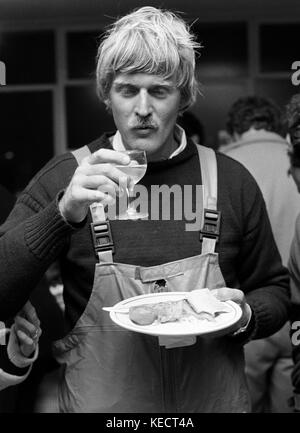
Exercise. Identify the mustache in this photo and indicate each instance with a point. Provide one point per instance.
(143, 123)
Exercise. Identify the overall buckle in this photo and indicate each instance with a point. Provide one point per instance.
(102, 237)
(211, 225)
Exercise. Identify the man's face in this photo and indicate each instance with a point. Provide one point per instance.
(145, 108)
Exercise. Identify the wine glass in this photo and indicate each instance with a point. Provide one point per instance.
(135, 170)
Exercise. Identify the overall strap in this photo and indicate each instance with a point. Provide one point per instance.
(100, 227)
(210, 231)
(81, 153)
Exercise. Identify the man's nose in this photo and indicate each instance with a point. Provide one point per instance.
(143, 104)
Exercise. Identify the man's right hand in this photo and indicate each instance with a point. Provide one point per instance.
(96, 179)
(24, 337)
(27, 329)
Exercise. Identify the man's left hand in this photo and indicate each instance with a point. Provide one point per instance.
(235, 295)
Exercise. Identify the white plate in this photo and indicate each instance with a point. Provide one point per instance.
(223, 323)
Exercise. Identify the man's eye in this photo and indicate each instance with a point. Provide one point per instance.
(159, 92)
(128, 91)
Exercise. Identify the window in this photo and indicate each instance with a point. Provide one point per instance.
(26, 136)
(56, 96)
(212, 107)
(225, 49)
(87, 117)
(278, 46)
(81, 53)
(28, 56)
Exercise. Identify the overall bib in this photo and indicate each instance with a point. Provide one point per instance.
(107, 369)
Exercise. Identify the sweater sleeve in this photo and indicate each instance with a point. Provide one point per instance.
(260, 271)
(294, 268)
(31, 238)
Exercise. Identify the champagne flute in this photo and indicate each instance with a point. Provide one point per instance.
(136, 169)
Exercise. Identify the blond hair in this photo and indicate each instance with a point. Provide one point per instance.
(152, 41)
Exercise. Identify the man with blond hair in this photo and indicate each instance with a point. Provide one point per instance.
(146, 77)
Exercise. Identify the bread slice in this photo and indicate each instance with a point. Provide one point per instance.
(202, 300)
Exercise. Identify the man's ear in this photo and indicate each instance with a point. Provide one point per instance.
(183, 106)
(107, 103)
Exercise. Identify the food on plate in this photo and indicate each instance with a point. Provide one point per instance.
(143, 314)
(203, 300)
(201, 304)
(161, 311)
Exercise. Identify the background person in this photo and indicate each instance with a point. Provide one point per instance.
(255, 125)
(21, 350)
(7, 397)
(24, 396)
(146, 76)
(293, 125)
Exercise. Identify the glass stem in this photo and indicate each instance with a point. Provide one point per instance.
(131, 208)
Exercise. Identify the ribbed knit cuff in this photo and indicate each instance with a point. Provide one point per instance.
(47, 232)
(246, 335)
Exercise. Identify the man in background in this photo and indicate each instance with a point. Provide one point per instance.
(22, 397)
(19, 352)
(292, 118)
(7, 397)
(255, 126)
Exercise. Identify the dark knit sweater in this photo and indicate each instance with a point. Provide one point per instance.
(35, 235)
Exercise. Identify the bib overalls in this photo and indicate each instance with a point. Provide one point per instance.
(109, 369)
